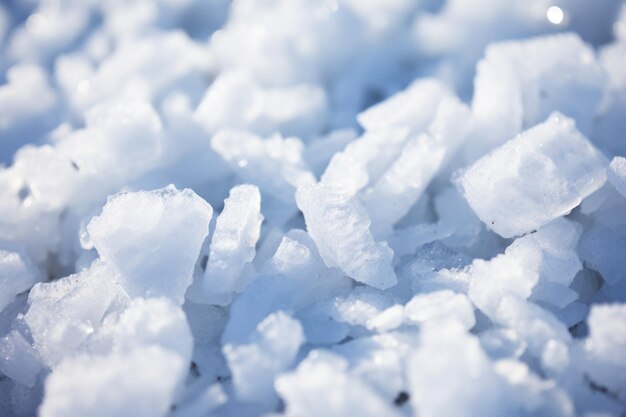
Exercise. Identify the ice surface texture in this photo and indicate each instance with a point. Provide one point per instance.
(235, 208)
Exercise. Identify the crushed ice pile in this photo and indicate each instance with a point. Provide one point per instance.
(312, 208)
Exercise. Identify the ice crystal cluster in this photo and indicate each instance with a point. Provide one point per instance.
(312, 208)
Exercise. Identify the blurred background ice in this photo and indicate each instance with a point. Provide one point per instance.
(312, 208)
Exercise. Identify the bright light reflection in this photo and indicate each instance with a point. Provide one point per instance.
(555, 15)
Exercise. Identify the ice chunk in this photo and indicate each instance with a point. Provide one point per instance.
(293, 279)
(64, 313)
(440, 305)
(153, 321)
(534, 178)
(152, 239)
(449, 357)
(360, 306)
(606, 363)
(364, 160)
(514, 272)
(617, 174)
(380, 361)
(274, 164)
(547, 257)
(208, 400)
(17, 273)
(340, 228)
(531, 73)
(233, 244)
(609, 121)
(18, 360)
(412, 108)
(142, 382)
(23, 119)
(423, 156)
(536, 326)
(129, 70)
(388, 319)
(324, 375)
(271, 350)
(236, 101)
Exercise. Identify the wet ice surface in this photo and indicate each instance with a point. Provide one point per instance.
(312, 208)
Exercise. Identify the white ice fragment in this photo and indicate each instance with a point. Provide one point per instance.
(520, 83)
(605, 346)
(534, 178)
(208, 400)
(237, 231)
(325, 375)
(152, 239)
(129, 70)
(23, 119)
(17, 273)
(339, 225)
(18, 359)
(423, 156)
(236, 101)
(142, 382)
(364, 160)
(389, 319)
(440, 305)
(617, 174)
(271, 350)
(152, 321)
(547, 257)
(293, 279)
(412, 108)
(449, 374)
(64, 313)
(274, 164)
(534, 325)
(514, 272)
(362, 305)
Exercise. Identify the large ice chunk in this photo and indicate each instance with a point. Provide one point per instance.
(519, 83)
(64, 313)
(142, 382)
(152, 239)
(17, 273)
(534, 178)
(340, 228)
(449, 357)
(233, 244)
(325, 375)
(236, 101)
(152, 321)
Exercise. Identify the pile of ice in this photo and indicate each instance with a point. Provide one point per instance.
(312, 208)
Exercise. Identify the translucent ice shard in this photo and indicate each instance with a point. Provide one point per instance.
(534, 178)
